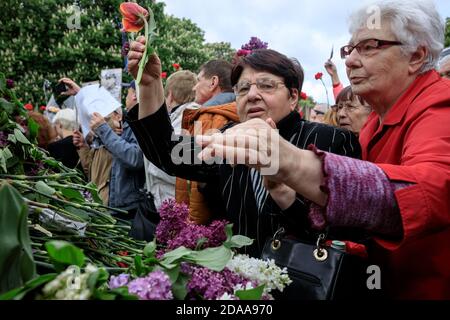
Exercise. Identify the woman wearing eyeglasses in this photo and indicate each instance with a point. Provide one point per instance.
(352, 110)
(267, 86)
(400, 193)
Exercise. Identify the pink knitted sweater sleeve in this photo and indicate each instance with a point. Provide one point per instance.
(360, 195)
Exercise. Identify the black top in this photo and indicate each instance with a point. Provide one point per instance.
(246, 203)
(63, 150)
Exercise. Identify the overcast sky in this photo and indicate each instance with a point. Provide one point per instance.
(304, 29)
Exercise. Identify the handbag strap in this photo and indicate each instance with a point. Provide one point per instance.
(320, 253)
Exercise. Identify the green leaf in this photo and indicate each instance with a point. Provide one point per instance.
(20, 137)
(213, 258)
(12, 138)
(16, 258)
(138, 266)
(240, 241)
(200, 243)
(179, 287)
(7, 153)
(31, 285)
(229, 231)
(7, 106)
(251, 294)
(150, 249)
(83, 215)
(41, 186)
(3, 161)
(173, 273)
(64, 254)
(33, 129)
(72, 195)
(172, 258)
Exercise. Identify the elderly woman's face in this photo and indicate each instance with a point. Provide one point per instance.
(353, 115)
(263, 95)
(378, 72)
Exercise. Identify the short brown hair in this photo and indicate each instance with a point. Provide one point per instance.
(221, 69)
(181, 84)
(273, 62)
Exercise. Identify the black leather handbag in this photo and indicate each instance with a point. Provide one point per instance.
(146, 219)
(318, 272)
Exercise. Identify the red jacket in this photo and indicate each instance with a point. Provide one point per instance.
(413, 145)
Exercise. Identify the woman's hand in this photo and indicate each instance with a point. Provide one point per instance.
(152, 70)
(283, 195)
(72, 87)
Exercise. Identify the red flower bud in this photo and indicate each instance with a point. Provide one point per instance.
(164, 75)
(42, 108)
(28, 107)
(133, 16)
(176, 66)
(303, 96)
(319, 75)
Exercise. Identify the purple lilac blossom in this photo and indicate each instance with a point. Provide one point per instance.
(211, 285)
(254, 43)
(119, 281)
(156, 286)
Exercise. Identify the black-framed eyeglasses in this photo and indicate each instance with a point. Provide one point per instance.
(367, 47)
(264, 85)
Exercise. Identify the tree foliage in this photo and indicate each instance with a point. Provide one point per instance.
(40, 39)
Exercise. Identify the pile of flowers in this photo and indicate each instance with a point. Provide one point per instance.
(235, 277)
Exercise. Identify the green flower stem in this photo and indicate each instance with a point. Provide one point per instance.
(144, 59)
(326, 91)
(39, 206)
(31, 178)
(45, 265)
(75, 205)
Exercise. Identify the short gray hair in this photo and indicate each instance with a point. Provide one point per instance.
(415, 23)
(444, 57)
(67, 119)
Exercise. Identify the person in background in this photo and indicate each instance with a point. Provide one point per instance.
(400, 192)
(318, 113)
(336, 81)
(63, 149)
(352, 110)
(214, 93)
(46, 133)
(179, 96)
(444, 63)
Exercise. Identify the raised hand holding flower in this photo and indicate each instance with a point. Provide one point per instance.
(134, 19)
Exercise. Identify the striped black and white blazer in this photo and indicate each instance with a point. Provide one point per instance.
(237, 192)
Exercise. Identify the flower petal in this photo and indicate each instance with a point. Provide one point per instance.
(132, 11)
(131, 26)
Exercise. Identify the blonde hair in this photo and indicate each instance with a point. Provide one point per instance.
(181, 84)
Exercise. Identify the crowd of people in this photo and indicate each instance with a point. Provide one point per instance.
(377, 161)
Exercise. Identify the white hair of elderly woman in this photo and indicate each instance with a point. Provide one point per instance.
(67, 119)
(414, 23)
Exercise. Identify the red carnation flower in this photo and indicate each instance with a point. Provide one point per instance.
(28, 107)
(164, 75)
(42, 108)
(319, 75)
(303, 96)
(176, 66)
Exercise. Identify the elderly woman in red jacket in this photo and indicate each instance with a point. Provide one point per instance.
(401, 191)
